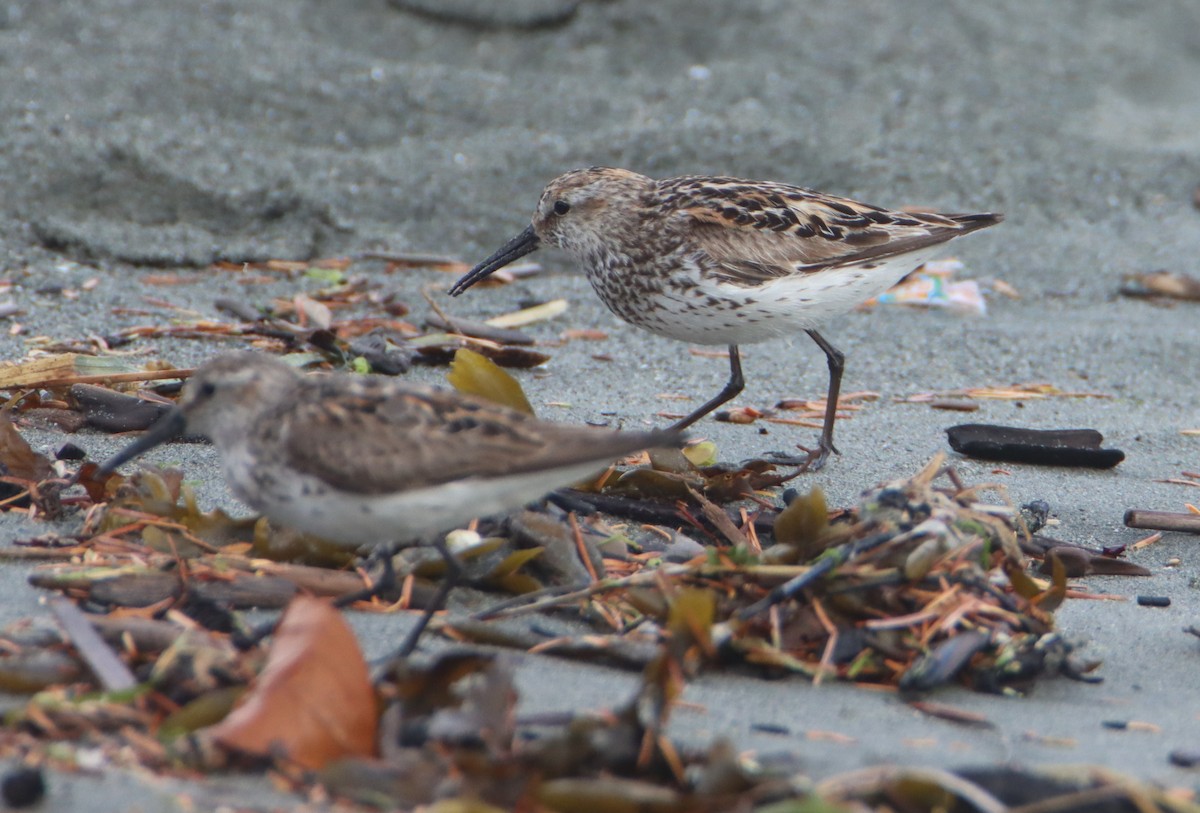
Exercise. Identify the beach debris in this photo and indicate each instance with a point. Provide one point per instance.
(1163, 520)
(932, 286)
(1080, 561)
(64, 368)
(22, 787)
(1162, 285)
(313, 702)
(477, 330)
(111, 411)
(1154, 601)
(1015, 392)
(109, 670)
(1187, 478)
(1047, 447)
(475, 374)
(530, 315)
(920, 584)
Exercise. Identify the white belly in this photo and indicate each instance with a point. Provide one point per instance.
(721, 313)
(365, 520)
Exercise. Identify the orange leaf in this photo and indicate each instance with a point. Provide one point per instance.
(313, 700)
(18, 459)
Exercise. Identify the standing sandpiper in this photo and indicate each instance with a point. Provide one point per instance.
(367, 462)
(727, 261)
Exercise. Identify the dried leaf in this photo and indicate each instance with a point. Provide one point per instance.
(804, 524)
(207, 709)
(474, 374)
(701, 454)
(691, 617)
(1054, 597)
(18, 458)
(312, 313)
(313, 700)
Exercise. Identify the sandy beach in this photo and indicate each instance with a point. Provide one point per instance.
(143, 139)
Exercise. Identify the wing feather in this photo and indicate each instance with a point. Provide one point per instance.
(421, 436)
(757, 232)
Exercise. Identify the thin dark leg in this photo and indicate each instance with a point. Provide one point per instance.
(385, 583)
(837, 363)
(732, 387)
(451, 578)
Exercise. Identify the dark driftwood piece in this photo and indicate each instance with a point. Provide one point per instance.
(1048, 447)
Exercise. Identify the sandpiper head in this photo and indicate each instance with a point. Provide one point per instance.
(577, 210)
(219, 401)
(226, 393)
(578, 207)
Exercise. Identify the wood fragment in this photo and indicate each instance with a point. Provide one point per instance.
(1162, 521)
(1053, 447)
(1162, 284)
(110, 670)
(120, 378)
(41, 371)
(527, 316)
(111, 411)
(955, 405)
(478, 330)
(404, 259)
(954, 714)
(1147, 542)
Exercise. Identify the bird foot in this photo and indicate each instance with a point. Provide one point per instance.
(817, 457)
(811, 460)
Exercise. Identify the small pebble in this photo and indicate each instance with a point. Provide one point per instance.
(1185, 757)
(770, 728)
(1154, 601)
(69, 451)
(23, 787)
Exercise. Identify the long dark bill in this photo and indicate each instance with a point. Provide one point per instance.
(168, 427)
(524, 243)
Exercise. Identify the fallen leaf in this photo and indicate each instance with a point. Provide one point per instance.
(313, 700)
(475, 374)
(18, 458)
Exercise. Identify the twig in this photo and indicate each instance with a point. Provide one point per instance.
(504, 611)
(828, 561)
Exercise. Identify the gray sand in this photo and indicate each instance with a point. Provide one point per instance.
(173, 134)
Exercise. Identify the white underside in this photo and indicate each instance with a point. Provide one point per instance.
(781, 307)
(366, 520)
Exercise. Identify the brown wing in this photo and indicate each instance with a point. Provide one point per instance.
(760, 231)
(420, 436)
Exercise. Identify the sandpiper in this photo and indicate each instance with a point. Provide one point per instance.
(369, 462)
(715, 260)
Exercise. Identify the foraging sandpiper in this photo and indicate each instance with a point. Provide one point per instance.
(368, 462)
(714, 260)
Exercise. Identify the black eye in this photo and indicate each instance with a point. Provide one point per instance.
(206, 389)
(561, 207)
